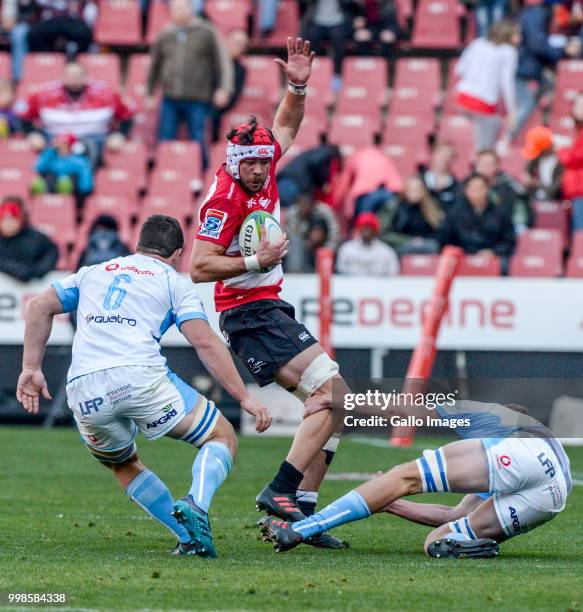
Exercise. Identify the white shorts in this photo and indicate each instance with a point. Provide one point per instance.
(110, 406)
(528, 485)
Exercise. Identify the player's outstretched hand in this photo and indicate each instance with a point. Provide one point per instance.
(254, 407)
(31, 383)
(299, 61)
(271, 255)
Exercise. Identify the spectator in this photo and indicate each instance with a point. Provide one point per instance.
(366, 255)
(80, 106)
(477, 225)
(17, 17)
(25, 253)
(572, 160)
(267, 16)
(309, 225)
(64, 169)
(439, 177)
(504, 190)
(536, 54)
(328, 21)
(544, 172)
(69, 20)
(188, 60)
(487, 72)
(411, 226)
(376, 27)
(9, 123)
(488, 12)
(369, 179)
(104, 243)
(308, 172)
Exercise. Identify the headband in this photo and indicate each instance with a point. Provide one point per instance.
(236, 153)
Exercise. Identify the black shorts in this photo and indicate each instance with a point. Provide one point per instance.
(265, 336)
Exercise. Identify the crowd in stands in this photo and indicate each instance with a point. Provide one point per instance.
(465, 129)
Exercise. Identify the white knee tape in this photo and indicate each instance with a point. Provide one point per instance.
(433, 470)
(462, 526)
(332, 444)
(315, 375)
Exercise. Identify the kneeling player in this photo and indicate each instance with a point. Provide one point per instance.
(528, 479)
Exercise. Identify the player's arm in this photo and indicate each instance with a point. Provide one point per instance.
(209, 263)
(290, 112)
(433, 515)
(218, 361)
(38, 324)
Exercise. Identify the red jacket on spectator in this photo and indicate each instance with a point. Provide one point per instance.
(90, 114)
(572, 160)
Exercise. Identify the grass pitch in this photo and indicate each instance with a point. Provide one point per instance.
(65, 527)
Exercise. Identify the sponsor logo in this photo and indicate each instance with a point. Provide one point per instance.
(264, 202)
(115, 266)
(504, 461)
(255, 366)
(119, 395)
(110, 319)
(169, 413)
(247, 237)
(213, 223)
(547, 464)
(514, 519)
(230, 194)
(254, 202)
(304, 336)
(93, 439)
(251, 203)
(112, 267)
(264, 151)
(89, 405)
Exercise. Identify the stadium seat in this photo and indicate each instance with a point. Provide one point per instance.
(103, 67)
(419, 265)
(351, 132)
(569, 81)
(437, 25)
(479, 265)
(405, 142)
(158, 18)
(55, 215)
(15, 181)
(119, 23)
(575, 266)
(120, 207)
(137, 75)
(38, 69)
(132, 157)
(552, 215)
(534, 266)
(180, 208)
(261, 91)
(364, 82)
(458, 130)
(404, 13)
(16, 153)
(410, 71)
(5, 66)
(229, 15)
(320, 95)
(182, 156)
(118, 182)
(287, 24)
(170, 183)
(577, 243)
(407, 156)
(561, 123)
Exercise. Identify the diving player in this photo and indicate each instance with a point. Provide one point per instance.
(510, 455)
(119, 383)
(260, 327)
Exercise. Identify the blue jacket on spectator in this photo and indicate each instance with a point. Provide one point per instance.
(535, 52)
(78, 167)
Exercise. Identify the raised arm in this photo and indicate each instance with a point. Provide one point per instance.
(290, 112)
(38, 325)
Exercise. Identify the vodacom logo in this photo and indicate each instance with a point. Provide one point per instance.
(111, 267)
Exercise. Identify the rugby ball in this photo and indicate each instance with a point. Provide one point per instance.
(250, 232)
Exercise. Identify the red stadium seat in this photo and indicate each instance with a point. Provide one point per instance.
(5, 66)
(118, 182)
(132, 157)
(119, 23)
(365, 77)
(229, 15)
(562, 124)
(405, 142)
(261, 91)
(404, 13)
(410, 71)
(287, 24)
(437, 25)
(38, 69)
(569, 82)
(15, 181)
(320, 96)
(135, 85)
(102, 67)
(575, 266)
(479, 265)
(407, 156)
(553, 215)
(178, 155)
(175, 185)
(55, 216)
(458, 130)
(351, 132)
(120, 207)
(419, 265)
(534, 266)
(158, 19)
(180, 208)
(16, 153)
(577, 243)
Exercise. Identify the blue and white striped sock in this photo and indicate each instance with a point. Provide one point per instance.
(209, 470)
(351, 507)
(152, 495)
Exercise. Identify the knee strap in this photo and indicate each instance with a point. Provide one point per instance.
(315, 375)
(433, 470)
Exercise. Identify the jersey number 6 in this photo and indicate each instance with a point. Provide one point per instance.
(115, 295)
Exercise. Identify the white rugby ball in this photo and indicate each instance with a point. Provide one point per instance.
(250, 232)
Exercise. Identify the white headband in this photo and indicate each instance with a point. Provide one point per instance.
(236, 153)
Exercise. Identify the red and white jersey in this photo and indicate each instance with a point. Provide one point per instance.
(223, 210)
(91, 114)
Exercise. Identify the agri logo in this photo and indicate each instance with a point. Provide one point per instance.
(169, 413)
(514, 519)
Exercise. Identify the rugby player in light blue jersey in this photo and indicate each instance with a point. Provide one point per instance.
(511, 456)
(119, 383)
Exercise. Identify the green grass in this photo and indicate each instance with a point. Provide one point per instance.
(65, 527)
